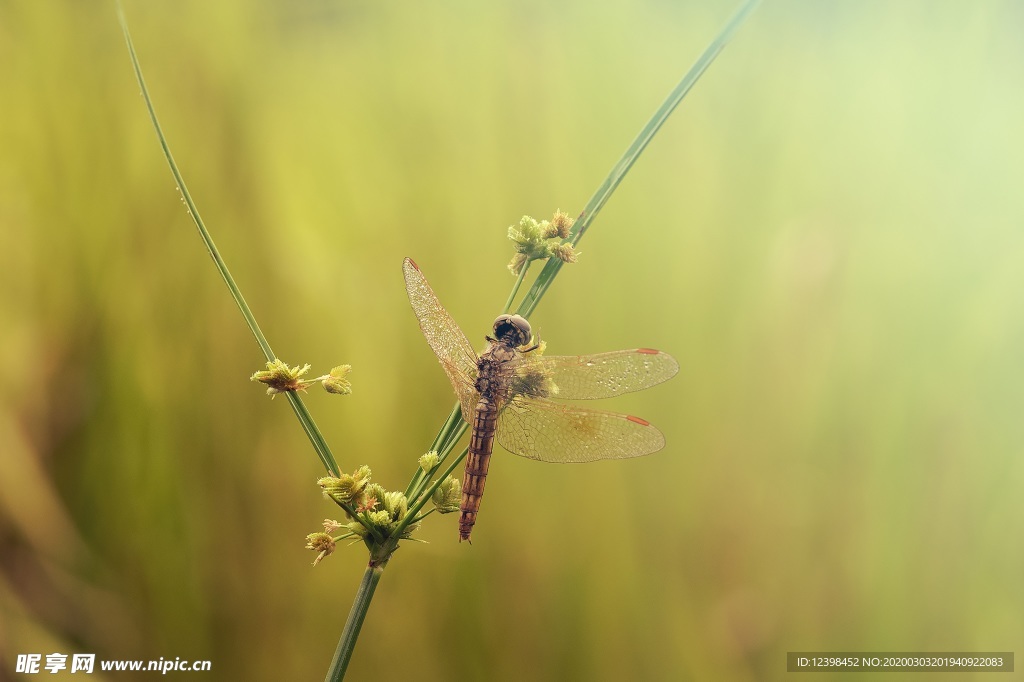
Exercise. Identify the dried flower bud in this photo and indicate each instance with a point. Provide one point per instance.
(562, 224)
(332, 526)
(368, 504)
(566, 254)
(322, 543)
(517, 263)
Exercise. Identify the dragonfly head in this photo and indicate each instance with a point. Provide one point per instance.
(512, 329)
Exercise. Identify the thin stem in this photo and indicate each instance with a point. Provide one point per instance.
(442, 435)
(361, 520)
(190, 205)
(422, 500)
(446, 449)
(356, 615)
(619, 170)
(515, 288)
(452, 439)
(423, 516)
(316, 438)
(308, 425)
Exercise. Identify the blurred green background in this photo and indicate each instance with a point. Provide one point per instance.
(827, 235)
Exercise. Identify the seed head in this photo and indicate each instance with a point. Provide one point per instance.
(429, 461)
(321, 543)
(336, 382)
(565, 253)
(347, 488)
(332, 526)
(384, 511)
(279, 377)
(562, 224)
(517, 263)
(535, 240)
(447, 496)
(376, 492)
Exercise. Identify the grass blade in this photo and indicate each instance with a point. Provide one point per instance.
(308, 425)
(619, 170)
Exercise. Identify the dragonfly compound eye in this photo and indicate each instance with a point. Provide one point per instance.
(515, 327)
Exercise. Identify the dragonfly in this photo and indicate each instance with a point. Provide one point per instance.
(509, 392)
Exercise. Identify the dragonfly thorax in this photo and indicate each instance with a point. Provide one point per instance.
(513, 330)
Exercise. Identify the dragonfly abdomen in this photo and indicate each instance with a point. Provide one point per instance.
(481, 444)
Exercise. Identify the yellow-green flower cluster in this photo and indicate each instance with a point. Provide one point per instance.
(347, 489)
(279, 377)
(374, 514)
(384, 511)
(541, 239)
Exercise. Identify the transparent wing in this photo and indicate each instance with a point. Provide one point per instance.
(444, 337)
(586, 377)
(547, 431)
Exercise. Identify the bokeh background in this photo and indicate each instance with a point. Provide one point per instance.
(827, 235)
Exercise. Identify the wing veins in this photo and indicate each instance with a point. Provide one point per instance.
(544, 430)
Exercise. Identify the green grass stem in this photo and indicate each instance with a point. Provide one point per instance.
(515, 287)
(354, 623)
(305, 419)
(597, 201)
